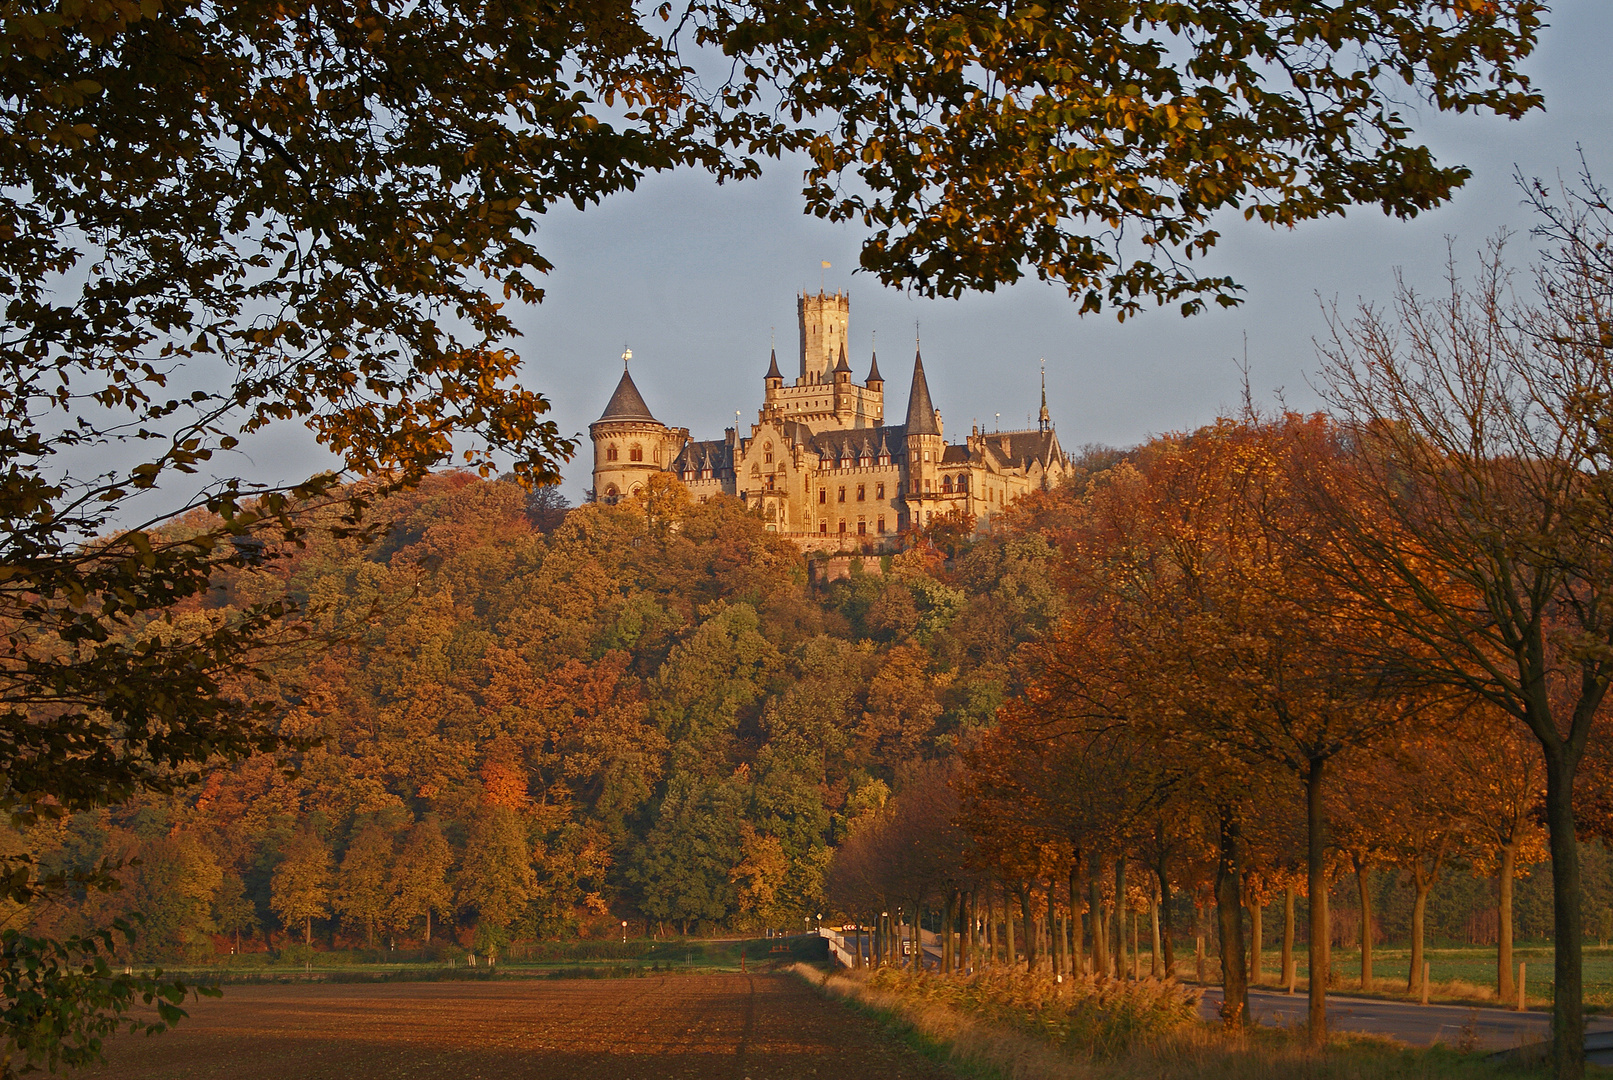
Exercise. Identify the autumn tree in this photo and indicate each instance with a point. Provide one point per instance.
(233, 911)
(302, 883)
(496, 878)
(364, 881)
(1104, 123)
(1474, 515)
(420, 886)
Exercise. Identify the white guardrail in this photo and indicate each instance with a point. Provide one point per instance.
(837, 945)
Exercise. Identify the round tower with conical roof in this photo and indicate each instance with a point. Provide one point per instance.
(630, 444)
(925, 446)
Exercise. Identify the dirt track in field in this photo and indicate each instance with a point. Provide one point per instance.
(724, 1027)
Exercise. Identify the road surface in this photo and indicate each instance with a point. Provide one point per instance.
(1417, 1025)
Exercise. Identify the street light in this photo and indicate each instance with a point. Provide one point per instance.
(624, 931)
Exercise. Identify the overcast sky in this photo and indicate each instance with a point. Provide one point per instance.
(694, 277)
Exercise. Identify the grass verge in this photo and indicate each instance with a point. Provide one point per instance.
(978, 1042)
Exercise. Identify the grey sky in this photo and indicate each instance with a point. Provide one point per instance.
(693, 277)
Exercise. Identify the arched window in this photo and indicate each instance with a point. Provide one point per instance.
(611, 494)
(610, 452)
(946, 485)
(767, 453)
(636, 454)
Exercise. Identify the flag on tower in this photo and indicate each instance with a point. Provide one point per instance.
(826, 266)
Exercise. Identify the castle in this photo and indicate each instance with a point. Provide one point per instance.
(821, 464)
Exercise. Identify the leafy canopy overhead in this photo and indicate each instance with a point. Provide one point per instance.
(1094, 142)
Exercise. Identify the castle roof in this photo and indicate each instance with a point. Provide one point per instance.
(842, 365)
(1023, 447)
(920, 410)
(772, 367)
(873, 371)
(714, 454)
(858, 442)
(627, 403)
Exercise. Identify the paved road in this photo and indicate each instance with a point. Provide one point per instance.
(1418, 1025)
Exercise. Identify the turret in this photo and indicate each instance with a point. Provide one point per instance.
(924, 442)
(875, 381)
(842, 370)
(773, 381)
(629, 442)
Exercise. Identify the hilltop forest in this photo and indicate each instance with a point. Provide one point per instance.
(527, 721)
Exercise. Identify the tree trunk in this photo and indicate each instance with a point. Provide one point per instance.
(1568, 989)
(1316, 886)
(1256, 940)
(1078, 933)
(308, 932)
(1419, 912)
(1010, 953)
(1156, 965)
(1166, 928)
(1288, 935)
(991, 928)
(1030, 927)
(1505, 991)
(1229, 916)
(428, 926)
(1366, 923)
(1100, 944)
(967, 960)
(1120, 916)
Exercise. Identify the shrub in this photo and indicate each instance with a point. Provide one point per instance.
(1102, 1018)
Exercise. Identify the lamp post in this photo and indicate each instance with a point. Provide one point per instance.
(624, 931)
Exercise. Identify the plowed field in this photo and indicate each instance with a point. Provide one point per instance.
(761, 1027)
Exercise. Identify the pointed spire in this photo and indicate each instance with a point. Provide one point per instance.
(873, 372)
(1044, 419)
(842, 365)
(772, 367)
(627, 403)
(920, 410)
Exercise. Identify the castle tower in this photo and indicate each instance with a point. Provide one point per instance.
(924, 444)
(773, 381)
(630, 444)
(823, 320)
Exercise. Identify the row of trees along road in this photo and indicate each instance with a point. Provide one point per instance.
(219, 216)
(1383, 638)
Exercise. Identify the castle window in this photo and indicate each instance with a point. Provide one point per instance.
(823, 496)
(946, 484)
(963, 482)
(611, 494)
(882, 526)
(842, 494)
(926, 455)
(842, 528)
(927, 484)
(879, 493)
(767, 453)
(636, 454)
(862, 528)
(823, 527)
(862, 493)
(610, 452)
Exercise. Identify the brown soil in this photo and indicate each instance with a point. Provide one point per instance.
(760, 1027)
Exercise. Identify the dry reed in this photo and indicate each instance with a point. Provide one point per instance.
(987, 1042)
